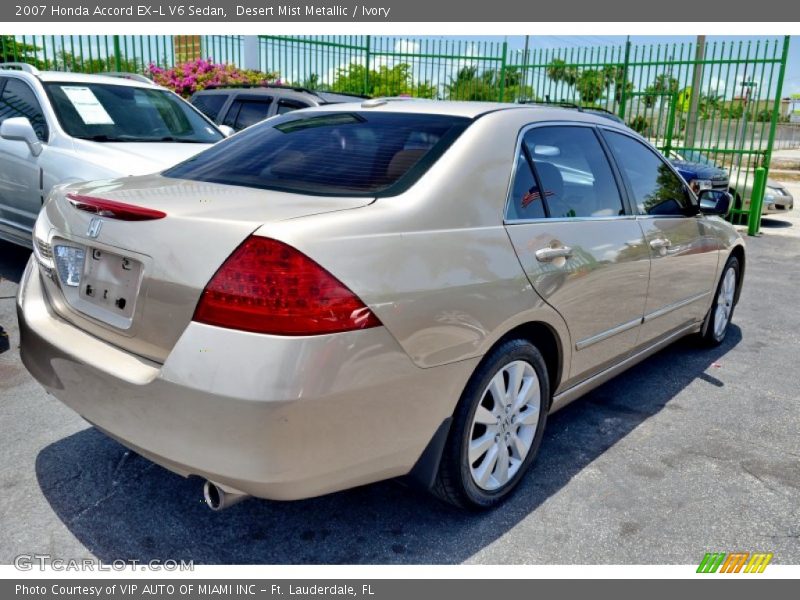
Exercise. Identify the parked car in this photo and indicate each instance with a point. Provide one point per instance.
(238, 107)
(357, 292)
(700, 173)
(64, 127)
(777, 198)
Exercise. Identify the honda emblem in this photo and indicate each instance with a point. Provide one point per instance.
(94, 227)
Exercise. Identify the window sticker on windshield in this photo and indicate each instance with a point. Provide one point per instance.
(87, 105)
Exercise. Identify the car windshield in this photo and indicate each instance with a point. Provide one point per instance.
(328, 153)
(698, 157)
(122, 113)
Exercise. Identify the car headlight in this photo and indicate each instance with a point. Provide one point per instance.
(775, 191)
(700, 184)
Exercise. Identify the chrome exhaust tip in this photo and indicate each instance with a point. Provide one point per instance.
(219, 498)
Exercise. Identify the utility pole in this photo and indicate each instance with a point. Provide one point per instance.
(525, 69)
(697, 83)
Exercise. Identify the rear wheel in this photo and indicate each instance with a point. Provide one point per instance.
(720, 314)
(497, 427)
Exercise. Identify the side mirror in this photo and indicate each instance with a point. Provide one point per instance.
(226, 130)
(19, 129)
(715, 202)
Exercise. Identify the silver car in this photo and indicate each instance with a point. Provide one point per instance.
(67, 127)
(351, 293)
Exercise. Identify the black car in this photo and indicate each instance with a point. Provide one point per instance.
(241, 106)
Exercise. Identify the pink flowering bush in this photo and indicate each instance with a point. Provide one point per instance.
(188, 77)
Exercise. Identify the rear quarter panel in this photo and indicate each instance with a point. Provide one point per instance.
(435, 264)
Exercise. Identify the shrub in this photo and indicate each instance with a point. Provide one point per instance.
(188, 77)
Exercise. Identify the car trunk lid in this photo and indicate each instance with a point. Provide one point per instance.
(136, 283)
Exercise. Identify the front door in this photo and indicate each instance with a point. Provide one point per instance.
(581, 249)
(20, 178)
(683, 249)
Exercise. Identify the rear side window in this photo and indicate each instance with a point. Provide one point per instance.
(209, 104)
(574, 172)
(328, 153)
(247, 111)
(656, 189)
(18, 100)
(526, 200)
(285, 106)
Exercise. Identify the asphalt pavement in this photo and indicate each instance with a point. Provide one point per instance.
(694, 450)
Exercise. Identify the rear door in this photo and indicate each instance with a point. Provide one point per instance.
(683, 247)
(582, 250)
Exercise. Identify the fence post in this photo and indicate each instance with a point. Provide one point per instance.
(502, 90)
(756, 201)
(117, 55)
(367, 61)
(623, 97)
(776, 109)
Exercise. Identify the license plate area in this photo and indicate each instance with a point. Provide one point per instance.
(108, 286)
(110, 281)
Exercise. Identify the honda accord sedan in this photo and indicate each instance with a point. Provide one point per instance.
(351, 293)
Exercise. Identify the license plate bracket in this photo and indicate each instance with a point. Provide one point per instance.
(110, 282)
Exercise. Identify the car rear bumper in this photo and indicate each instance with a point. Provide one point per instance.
(275, 417)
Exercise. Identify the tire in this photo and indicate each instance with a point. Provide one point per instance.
(718, 319)
(480, 481)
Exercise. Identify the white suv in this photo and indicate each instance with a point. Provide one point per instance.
(66, 127)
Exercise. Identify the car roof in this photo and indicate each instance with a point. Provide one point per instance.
(62, 76)
(277, 90)
(468, 109)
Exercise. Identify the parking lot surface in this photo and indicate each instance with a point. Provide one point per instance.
(693, 450)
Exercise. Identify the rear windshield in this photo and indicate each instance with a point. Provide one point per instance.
(328, 153)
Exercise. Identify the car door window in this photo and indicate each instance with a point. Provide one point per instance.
(246, 111)
(525, 201)
(209, 104)
(285, 106)
(656, 189)
(18, 100)
(573, 172)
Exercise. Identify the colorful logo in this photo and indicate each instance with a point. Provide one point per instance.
(735, 562)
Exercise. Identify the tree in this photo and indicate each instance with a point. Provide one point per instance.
(66, 61)
(559, 71)
(591, 85)
(662, 85)
(384, 81)
(469, 84)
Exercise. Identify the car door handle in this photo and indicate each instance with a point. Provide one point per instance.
(659, 243)
(548, 254)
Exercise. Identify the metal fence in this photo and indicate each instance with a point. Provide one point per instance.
(717, 103)
(103, 53)
(787, 136)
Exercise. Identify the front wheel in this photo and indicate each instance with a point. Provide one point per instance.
(497, 427)
(720, 314)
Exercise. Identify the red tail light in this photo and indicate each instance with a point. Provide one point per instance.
(266, 286)
(113, 209)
